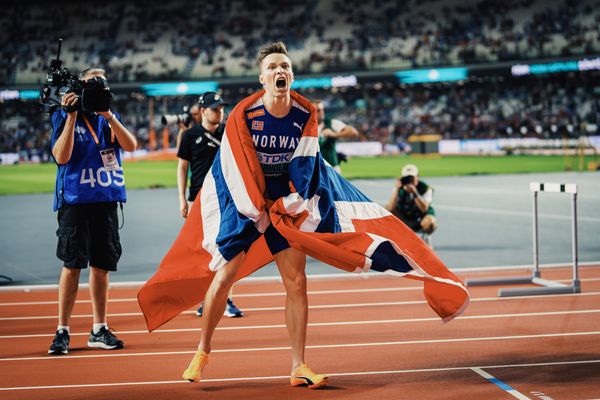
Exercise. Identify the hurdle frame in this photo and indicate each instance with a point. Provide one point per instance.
(545, 286)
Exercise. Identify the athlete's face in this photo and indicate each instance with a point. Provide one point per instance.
(276, 74)
(213, 115)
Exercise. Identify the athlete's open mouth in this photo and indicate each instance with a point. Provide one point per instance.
(280, 83)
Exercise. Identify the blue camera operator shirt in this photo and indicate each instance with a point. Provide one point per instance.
(275, 140)
(83, 179)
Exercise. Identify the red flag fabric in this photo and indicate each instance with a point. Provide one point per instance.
(325, 216)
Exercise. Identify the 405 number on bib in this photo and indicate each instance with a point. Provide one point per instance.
(102, 177)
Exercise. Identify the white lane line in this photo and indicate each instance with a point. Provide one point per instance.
(316, 324)
(241, 295)
(508, 389)
(269, 294)
(264, 378)
(322, 346)
(311, 277)
(322, 306)
(343, 276)
(526, 214)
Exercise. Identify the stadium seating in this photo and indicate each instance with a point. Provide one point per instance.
(150, 40)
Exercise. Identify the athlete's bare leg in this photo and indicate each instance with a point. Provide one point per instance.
(216, 299)
(292, 264)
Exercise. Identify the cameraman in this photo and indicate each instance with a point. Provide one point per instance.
(197, 150)
(89, 184)
(411, 201)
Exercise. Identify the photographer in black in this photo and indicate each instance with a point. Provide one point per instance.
(411, 202)
(86, 144)
(198, 148)
(196, 152)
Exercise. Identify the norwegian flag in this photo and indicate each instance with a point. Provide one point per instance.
(257, 125)
(325, 216)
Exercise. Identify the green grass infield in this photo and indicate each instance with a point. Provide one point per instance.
(40, 178)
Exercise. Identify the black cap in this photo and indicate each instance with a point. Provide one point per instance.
(211, 100)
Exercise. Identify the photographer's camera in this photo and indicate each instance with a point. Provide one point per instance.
(93, 93)
(174, 119)
(407, 180)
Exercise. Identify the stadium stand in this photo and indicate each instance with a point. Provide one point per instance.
(152, 40)
(564, 106)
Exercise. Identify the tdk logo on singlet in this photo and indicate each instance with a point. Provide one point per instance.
(80, 130)
(275, 142)
(281, 158)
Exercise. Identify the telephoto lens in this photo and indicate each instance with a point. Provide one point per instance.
(174, 119)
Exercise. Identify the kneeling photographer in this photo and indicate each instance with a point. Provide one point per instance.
(86, 141)
(411, 202)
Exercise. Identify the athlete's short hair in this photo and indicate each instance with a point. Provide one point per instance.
(277, 47)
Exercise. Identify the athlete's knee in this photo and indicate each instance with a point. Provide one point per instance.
(223, 282)
(295, 284)
(225, 276)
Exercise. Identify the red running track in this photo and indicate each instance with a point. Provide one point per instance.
(374, 335)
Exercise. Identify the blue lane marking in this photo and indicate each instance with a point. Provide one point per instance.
(492, 379)
(500, 384)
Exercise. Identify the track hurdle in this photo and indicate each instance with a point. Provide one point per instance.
(544, 286)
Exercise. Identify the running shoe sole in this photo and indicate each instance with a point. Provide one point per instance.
(100, 345)
(302, 380)
(231, 315)
(58, 352)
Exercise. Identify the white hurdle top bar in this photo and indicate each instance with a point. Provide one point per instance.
(553, 187)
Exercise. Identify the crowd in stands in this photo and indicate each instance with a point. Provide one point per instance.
(24, 130)
(152, 40)
(139, 41)
(554, 106)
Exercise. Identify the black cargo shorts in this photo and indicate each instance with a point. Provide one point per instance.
(89, 234)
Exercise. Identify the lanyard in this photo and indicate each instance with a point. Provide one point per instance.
(212, 138)
(91, 128)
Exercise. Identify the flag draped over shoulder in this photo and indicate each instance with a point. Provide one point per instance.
(325, 216)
